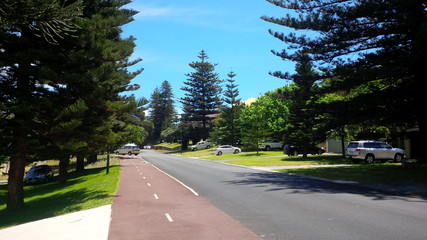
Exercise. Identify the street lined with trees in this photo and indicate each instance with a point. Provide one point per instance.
(64, 82)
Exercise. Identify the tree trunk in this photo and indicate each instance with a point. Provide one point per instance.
(92, 158)
(342, 145)
(64, 162)
(15, 197)
(80, 163)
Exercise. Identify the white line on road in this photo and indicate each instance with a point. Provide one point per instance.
(155, 196)
(149, 184)
(168, 217)
(191, 190)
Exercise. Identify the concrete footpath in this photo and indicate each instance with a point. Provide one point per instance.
(152, 205)
(90, 224)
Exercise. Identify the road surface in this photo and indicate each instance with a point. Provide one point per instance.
(283, 206)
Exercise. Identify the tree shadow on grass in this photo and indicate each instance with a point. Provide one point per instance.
(51, 206)
(48, 204)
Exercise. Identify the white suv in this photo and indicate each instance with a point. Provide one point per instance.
(369, 151)
(269, 144)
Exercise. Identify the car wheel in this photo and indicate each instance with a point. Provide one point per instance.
(267, 148)
(219, 153)
(295, 153)
(208, 146)
(236, 151)
(370, 158)
(117, 153)
(398, 157)
(130, 153)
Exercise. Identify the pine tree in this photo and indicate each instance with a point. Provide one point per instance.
(162, 110)
(202, 97)
(300, 130)
(375, 49)
(227, 128)
(23, 96)
(63, 99)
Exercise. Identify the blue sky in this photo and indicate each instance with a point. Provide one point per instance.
(171, 33)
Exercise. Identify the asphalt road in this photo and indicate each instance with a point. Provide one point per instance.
(286, 207)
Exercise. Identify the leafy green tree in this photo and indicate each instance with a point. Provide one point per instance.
(385, 46)
(227, 129)
(202, 97)
(267, 117)
(162, 111)
(255, 124)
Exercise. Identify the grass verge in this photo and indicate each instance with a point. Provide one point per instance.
(388, 173)
(290, 161)
(88, 189)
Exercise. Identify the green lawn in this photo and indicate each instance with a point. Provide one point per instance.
(88, 189)
(290, 161)
(388, 173)
(247, 155)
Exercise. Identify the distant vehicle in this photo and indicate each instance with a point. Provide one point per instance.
(224, 149)
(269, 144)
(293, 150)
(129, 149)
(369, 151)
(38, 174)
(201, 145)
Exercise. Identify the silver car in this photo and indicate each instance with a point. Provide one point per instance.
(369, 151)
(226, 149)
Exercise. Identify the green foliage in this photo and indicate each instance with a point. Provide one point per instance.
(227, 129)
(162, 111)
(254, 124)
(52, 20)
(373, 50)
(65, 98)
(89, 189)
(202, 96)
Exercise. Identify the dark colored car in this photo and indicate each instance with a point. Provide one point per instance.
(293, 150)
(38, 174)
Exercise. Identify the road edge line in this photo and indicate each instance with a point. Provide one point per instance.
(190, 189)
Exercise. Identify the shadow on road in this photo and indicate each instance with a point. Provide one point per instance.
(296, 184)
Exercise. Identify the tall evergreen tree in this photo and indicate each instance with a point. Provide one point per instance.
(162, 110)
(227, 127)
(385, 43)
(23, 96)
(303, 93)
(202, 98)
(61, 99)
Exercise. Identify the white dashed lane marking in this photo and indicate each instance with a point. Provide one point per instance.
(168, 217)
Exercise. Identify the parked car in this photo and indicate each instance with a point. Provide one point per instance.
(293, 150)
(224, 149)
(129, 149)
(369, 151)
(38, 174)
(201, 145)
(269, 144)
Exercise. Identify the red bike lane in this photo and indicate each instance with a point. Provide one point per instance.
(152, 205)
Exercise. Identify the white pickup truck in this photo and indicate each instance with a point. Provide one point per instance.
(201, 145)
(270, 144)
(129, 149)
